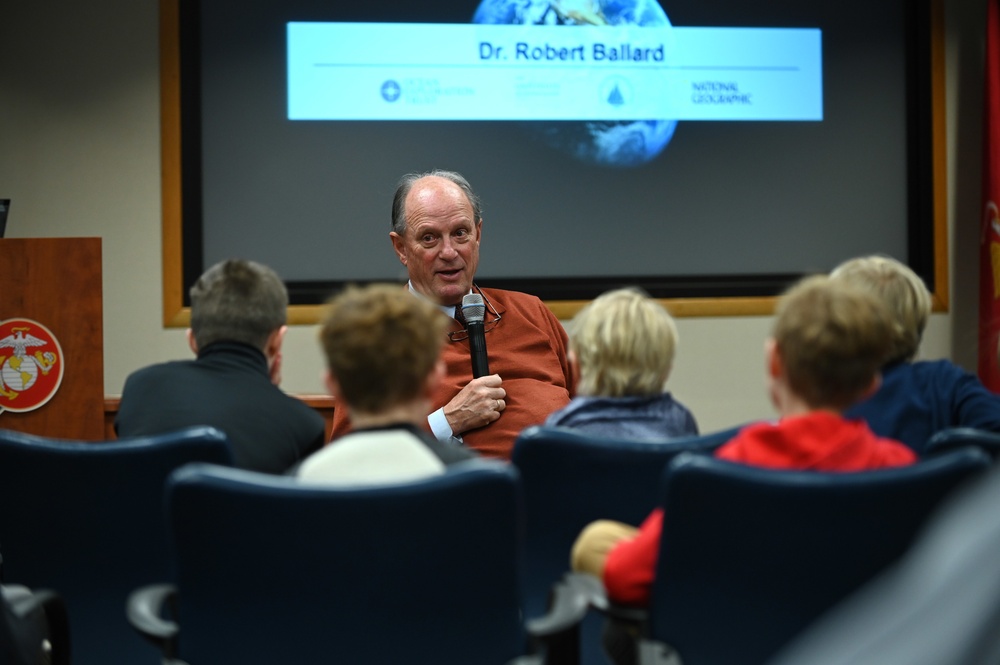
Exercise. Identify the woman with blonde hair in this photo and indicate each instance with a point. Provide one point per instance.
(622, 347)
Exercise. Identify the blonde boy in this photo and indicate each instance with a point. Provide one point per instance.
(621, 347)
(916, 399)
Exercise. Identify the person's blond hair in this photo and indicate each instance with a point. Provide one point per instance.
(381, 344)
(832, 338)
(624, 343)
(903, 293)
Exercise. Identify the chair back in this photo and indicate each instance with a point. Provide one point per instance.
(86, 520)
(571, 479)
(750, 556)
(275, 570)
(960, 437)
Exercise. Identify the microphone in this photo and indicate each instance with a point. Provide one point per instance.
(474, 311)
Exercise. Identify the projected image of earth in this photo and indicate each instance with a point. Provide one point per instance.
(623, 144)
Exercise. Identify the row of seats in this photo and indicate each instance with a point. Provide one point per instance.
(455, 569)
(86, 520)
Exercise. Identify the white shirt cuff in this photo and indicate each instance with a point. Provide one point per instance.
(439, 425)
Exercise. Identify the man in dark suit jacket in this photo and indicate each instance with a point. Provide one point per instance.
(238, 315)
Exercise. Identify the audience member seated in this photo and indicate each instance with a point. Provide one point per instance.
(917, 399)
(828, 342)
(437, 226)
(621, 347)
(238, 314)
(383, 353)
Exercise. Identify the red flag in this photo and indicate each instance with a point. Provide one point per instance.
(989, 255)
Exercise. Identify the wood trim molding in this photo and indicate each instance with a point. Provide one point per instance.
(324, 404)
(939, 138)
(174, 312)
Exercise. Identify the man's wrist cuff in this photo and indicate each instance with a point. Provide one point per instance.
(439, 425)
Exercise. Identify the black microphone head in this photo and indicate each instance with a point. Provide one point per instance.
(473, 308)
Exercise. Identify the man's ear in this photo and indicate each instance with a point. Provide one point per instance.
(775, 366)
(274, 341)
(399, 245)
(777, 388)
(192, 342)
(479, 231)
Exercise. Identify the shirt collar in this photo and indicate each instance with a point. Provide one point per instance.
(447, 309)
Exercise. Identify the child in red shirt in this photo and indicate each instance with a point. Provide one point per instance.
(828, 342)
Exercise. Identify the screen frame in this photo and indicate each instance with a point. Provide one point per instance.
(719, 295)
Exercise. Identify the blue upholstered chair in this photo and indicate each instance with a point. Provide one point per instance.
(86, 520)
(274, 570)
(571, 479)
(939, 604)
(750, 556)
(960, 437)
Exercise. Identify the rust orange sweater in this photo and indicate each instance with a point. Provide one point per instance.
(527, 348)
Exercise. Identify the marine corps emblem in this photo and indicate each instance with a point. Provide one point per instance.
(31, 365)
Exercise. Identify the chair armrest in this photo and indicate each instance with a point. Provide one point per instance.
(555, 636)
(567, 607)
(955, 438)
(24, 602)
(651, 652)
(144, 609)
(597, 597)
(648, 652)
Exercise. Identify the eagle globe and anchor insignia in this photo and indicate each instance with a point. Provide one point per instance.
(31, 365)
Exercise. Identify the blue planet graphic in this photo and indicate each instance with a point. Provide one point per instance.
(611, 143)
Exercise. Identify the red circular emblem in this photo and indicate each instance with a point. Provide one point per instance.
(31, 365)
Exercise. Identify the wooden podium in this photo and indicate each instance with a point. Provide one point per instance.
(51, 318)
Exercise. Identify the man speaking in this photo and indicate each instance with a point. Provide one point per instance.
(436, 230)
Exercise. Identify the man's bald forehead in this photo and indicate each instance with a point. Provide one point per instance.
(437, 178)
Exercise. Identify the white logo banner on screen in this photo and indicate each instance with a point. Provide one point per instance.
(407, 71)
